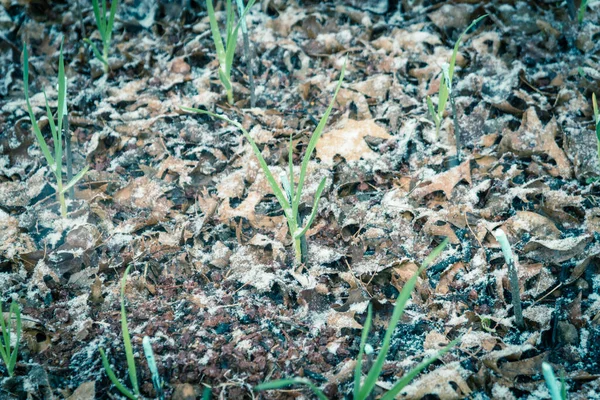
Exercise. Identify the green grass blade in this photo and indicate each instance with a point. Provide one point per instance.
(34, 124)
(206, 393)
(314, 210)
(263, 164)
(62, 97)
(5, 347)
(393, 392)
(291, 167)
(216, 34)
(156, 381)
(457, 44)
(431, 109)
(282, 383)
(50, 120)
(113, 377)
(14, 309)
(75, 179)
(361, 351)
(224, 77)
(127, 339)
(581, 13)
(96, 52)
(405, 294)
(551, 382)
(111, 20)
(313, 143)
(99, 17)
(442, 97)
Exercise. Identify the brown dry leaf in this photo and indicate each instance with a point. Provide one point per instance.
(447, 277)
(532, 138)
(528, 367)
(444, 181)
(144, 193)
(557, 250)
(349, 141)
(435, 341)
(85, 391)
(339, 320)
(346, 96)
(538, 226)
(247, 209)
(375, 87)
(177, 167)
(445, 383)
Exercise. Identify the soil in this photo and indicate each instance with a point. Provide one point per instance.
(181, 198)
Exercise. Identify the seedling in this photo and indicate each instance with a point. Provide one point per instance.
(105, 27)
(226, 52)
(557, 392)
(247, 53)
(128, 353)
(10, 358)
(54, 162)
(364, 391)
(512, 276)
(156, 380)
(445, 90)
(289, 197)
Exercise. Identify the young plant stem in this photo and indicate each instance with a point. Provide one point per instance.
(457, 138)
(290, 197)
(69, 155)
(512, 277)
(247, 54)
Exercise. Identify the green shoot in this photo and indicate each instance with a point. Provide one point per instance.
(581, 13)
(512, 276)
(290, 200)
(105, 27)
(10, 358)
(446, 83)
(156, 380)
(364, 391)
(226, 52)
(556, 392)
(54, 162)
(596, 121)
(128, 352)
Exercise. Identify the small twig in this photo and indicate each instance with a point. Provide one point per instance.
(247, 53)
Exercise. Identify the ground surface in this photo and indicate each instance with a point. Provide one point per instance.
(181, 199)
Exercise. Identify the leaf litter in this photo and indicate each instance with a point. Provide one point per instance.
(183, 201)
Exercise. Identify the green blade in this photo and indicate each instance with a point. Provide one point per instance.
(263, 164)
(99, 17)
(361, 351)
(551, 382)
(393, 392)
(111, 20)
(62, 94)
(313, 212)
(95, 50)
(313, 142)
(14, 308)
(113, 378)
(216, 34)
(442, 97)
(75, 179)
(34, 124)
(282, 383)
(457, 44)
(127, 339)
(405, 294)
